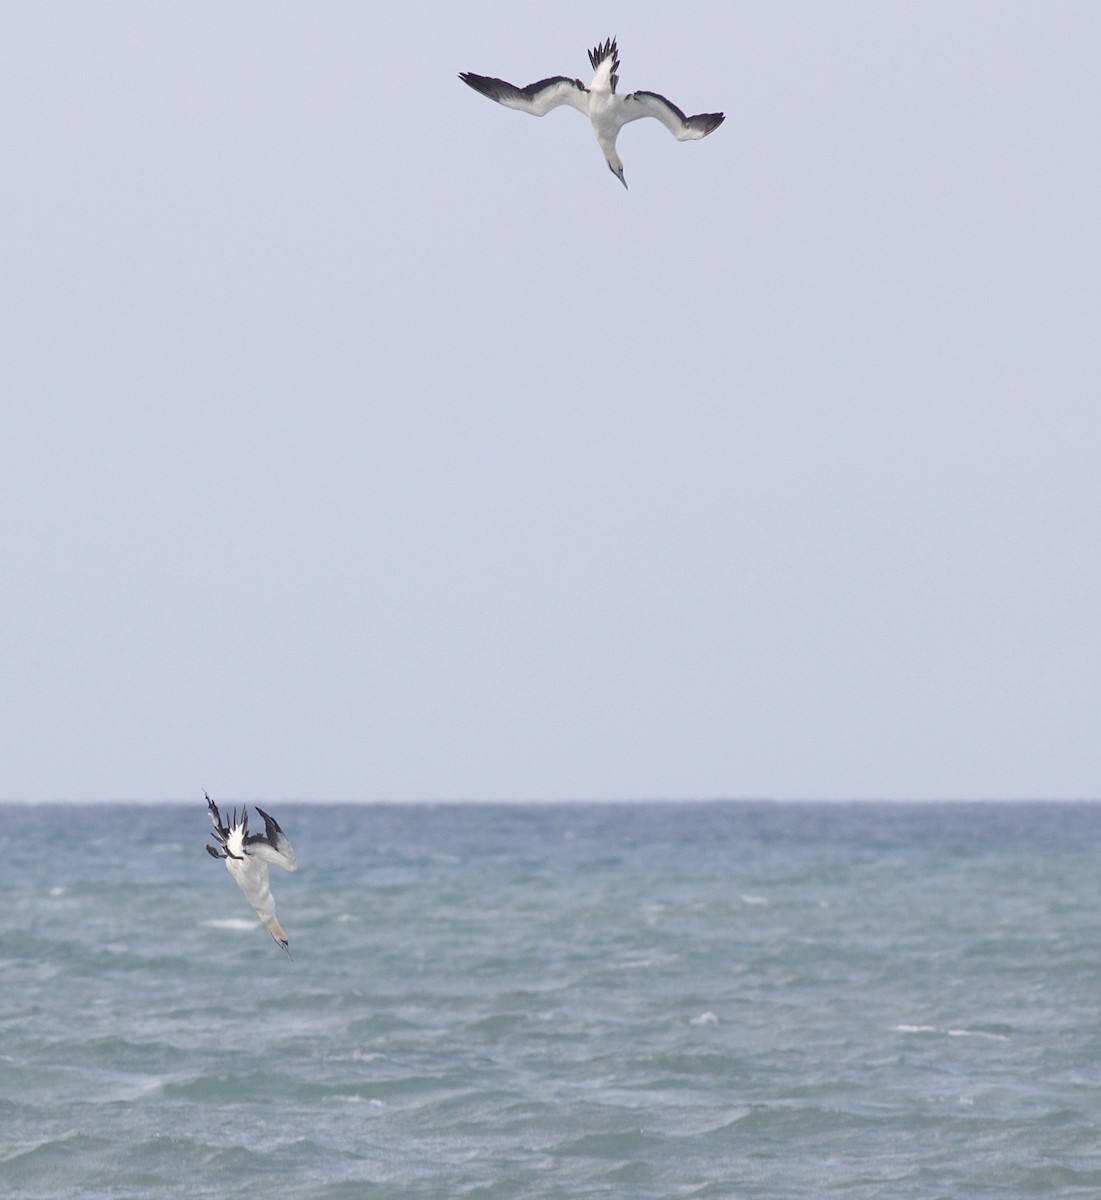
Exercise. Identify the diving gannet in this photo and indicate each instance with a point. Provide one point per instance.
(248, 858)
(599, 102)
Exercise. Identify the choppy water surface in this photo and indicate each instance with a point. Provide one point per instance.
(721, 1000)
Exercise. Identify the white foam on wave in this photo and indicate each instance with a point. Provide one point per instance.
(956, 1033)
(695, 1124)
(641, 963)
(357, 1055)
(239, 923)
(705, 1018)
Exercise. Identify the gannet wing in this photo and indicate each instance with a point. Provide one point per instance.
(272, 846)
(215, 817)
(684, 129)
(537, 98)
(221, 832)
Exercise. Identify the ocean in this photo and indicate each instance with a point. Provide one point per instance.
(728, 1000)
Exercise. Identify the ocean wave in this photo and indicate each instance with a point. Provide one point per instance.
(516, 1023)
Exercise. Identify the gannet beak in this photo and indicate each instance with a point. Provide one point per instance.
(618, 173)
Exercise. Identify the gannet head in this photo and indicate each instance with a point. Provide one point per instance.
(279, 934)
(616, 168)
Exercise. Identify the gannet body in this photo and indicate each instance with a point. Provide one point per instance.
(607, 111)
(248, 858)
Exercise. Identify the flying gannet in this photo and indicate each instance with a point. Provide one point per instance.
(248, 858)
(599, 102)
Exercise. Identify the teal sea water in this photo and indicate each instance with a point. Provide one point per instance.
(713, 1000)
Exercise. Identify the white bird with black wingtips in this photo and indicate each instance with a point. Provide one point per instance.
(607, 111)
(248, 858)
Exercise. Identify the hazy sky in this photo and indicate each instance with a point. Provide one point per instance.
(363, 439)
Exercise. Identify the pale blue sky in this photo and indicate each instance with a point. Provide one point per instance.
(363, 439)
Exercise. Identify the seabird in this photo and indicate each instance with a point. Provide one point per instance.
(248, 858)
(599, 102)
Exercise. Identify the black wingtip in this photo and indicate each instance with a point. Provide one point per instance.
(272, 829)
(220, 831)
(482, 84)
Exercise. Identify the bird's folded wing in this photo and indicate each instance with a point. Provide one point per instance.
(684, 129)
(272, 846)
(537, 98)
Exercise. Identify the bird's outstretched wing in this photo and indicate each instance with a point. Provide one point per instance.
(684, 129)
(537, 98)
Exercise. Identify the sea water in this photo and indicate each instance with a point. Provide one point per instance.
(730, 1000)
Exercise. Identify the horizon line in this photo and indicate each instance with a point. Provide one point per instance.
(567, 800)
